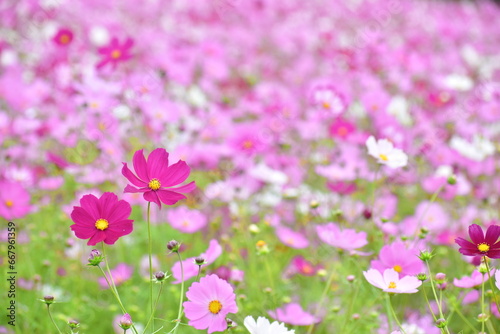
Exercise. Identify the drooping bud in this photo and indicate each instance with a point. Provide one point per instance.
(173, 246)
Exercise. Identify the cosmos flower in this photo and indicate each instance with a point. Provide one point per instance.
(63, 37)
(185, 220)
(291, 238)
(190, 269)
(101, 219)
(115, 52)
(385, 153)
(14, 200)
(155, 178)
(347, 239)
(481, 245)
(263, 326)
(398, 257)
(475, 279)
(120, 274)
(210, 300)
(293, 314)
(390, 281)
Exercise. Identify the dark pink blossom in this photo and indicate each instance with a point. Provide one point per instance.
(155, 178)
(101, 219)
(115, 52)
(481, 245)
(63, 37)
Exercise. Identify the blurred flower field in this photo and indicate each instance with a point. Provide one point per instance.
(250, 166)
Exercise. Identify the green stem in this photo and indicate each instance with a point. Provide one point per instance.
(349, 309)
(322, 299)
(389, 302)
(429, 305)
(51, 319)
(155, 306)
(181, 298)
(491, 284)
(483, 321)
(150, 251)
(435, 295)
(112, 285)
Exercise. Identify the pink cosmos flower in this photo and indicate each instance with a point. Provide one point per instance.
(475, 279)
(155, 177)
(481, 245)
(210, 301)
(341, 128)
(120, 274)
(293, 314)
(101, 219)
(390, 281)
(63, 37)
(115, 52)
(299, 265)
(326, 98)
(190, 268)
(347, 239)
(385, 153)
(14, 200)
(291, 238)
(185, 220)
(403, 260)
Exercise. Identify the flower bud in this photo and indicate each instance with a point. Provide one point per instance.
(441, 323)
(73, 324)
(199, 261)
(452, 180)
(350, 278)
(254, 229)
(95, 257)
(425, 256)
(483, 269)
(48, 299)
(160, 276)
(314, 204)
(262, 247)
(173, 246)
(422, 277)
(126, 321)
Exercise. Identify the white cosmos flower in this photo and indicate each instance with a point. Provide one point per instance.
(386, 153)
(262, 326)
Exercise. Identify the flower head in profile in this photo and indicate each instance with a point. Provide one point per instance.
(156, 179)
(385, 153)
(263, 326)
(210, 300)
(347, 239)
(390, 282)
(101, 219)
(481, 245)
(115, 52)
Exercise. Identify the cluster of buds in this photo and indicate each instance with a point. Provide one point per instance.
(441, 281)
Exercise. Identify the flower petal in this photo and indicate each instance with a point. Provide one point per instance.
(175, 174)
(157, 164)
(151, 196)
(476, 234)
(169, 197)
(492, 234)
(187, 188)
(90, 203)
(131, 177)
(97, 237)
(130, 189)
(140, 165)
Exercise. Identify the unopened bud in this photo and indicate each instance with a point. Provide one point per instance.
(452, 180)
(95, 257)
(254, 229)
(173, 246)
(48, 299)
(199, 261)
(126, 321)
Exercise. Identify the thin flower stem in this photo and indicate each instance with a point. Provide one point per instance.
(435, 297)
(433, 199)
(483, 321)
(155, 306)
(374, 190)
(150, 251)
(429, 305)
(460, 314)
(322, 299)
(181, 298)
(51, 319)
(112, 285)
(491, 284)
(389, 302)
(349, 309)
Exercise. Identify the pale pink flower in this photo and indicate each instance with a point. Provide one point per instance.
(347, 239)
(390, 281)
(385, 153)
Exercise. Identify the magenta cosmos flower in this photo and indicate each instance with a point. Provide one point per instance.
(101, 219)
(115, 52)
(155, 178)
(210, 301)
(481, 245)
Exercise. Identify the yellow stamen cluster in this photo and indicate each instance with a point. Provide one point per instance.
(115, 54)
(483, 247)
(9, 203)
(101, 224)
(154, 184)
(392, 285)
(215, 306)
(64, 39)
(397, 268)
(383, 157)
(247, 144)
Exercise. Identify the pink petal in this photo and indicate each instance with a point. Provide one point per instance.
(106, 203)
(169, 197)
(152, 196)
(476, 234)
(120, 211)
(82, 217)
(140, 165)
(131, 177)
(158, 164)
(83, 232)
(90, 203)
(175, 174)
(187, 188)
(96, 238)
(130, 189)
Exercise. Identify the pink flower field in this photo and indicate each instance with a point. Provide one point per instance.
(250, 166)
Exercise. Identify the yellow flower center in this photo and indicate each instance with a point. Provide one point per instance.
(154, 184)
(101, 224)
(9, 203)
(260, 243)
(326, 105)
(397, 268)
(392, 285)
(247, 144)
(185, 223)
(64, 39)
(307, 269)
(215, 306)
(483, 247)
(115, 54)
(383, 157)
